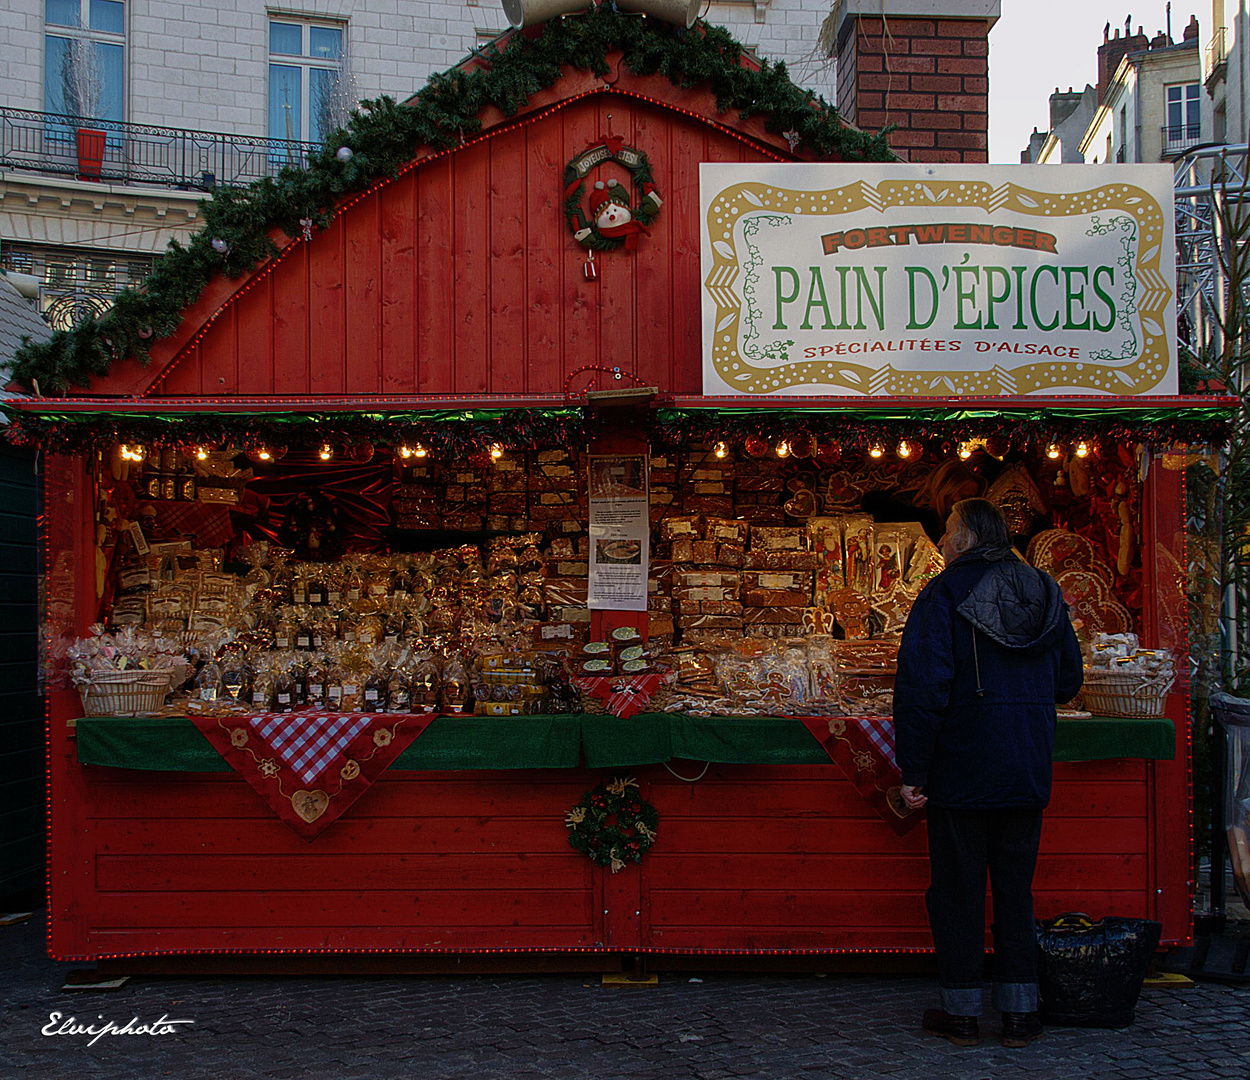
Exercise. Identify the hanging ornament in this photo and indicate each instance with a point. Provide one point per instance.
(793, 138)
(306, 224)
(144, 332)
(828, 454)
(997, 446)
(344, 153)
(589, 269)
(755, 445)
(220, 246)
(802, 445)
(361, 453)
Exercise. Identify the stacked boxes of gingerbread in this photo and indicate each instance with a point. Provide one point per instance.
(777, 581)
(507, 495)
(417, 502)
(706, 554)
(464, 496)
(759, 492)
(556, 498)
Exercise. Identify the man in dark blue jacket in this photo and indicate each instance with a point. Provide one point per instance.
(987, 652)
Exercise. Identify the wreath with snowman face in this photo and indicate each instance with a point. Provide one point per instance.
(609, 219)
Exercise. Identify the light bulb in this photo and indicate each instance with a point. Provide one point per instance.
(419, 451)
(496, 451)
(201, 453)
(720, 449)
(783, 448)
(264, 454)
(1054, 451)
(405, 452)
(326, 452)
(876, 450)
(904, 449)
(1082, 449)
(965, 450)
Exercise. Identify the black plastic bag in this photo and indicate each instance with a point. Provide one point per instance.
(1090, 973)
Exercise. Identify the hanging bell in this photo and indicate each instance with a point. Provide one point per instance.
(590, 269)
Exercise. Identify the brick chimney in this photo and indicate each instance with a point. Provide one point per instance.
(1112, 51)
(922, 65)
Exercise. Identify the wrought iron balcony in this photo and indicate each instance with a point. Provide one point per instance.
(120, 153)
(1216, 54)
(1177, 138)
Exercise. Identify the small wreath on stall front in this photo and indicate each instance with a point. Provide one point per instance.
(613, 824)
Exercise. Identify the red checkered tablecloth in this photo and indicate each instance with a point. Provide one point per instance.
(311, 766)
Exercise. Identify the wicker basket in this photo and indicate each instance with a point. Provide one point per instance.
(1125, 693)
(125, 693)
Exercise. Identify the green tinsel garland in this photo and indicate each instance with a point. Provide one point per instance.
(384, 136)
(444, 434)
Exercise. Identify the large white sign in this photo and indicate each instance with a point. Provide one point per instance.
(938, 280)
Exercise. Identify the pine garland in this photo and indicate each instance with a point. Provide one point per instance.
(444, 434)
(384, 136)
(859, 430)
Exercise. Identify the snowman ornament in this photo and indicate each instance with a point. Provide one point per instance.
(612, 215)
(608, 219)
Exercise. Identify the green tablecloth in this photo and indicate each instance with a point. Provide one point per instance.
(173, 744)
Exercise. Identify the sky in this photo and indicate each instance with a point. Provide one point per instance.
(1037, 45)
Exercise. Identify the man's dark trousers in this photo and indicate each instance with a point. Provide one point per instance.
(963, 845)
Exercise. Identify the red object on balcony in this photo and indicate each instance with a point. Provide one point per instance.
(90, 153)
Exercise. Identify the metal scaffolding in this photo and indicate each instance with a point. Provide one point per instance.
(1204, 176)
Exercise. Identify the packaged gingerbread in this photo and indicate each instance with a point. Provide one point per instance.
(859, 559)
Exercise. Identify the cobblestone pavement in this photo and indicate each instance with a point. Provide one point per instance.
(772, 1027)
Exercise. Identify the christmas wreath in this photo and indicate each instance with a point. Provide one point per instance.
(612, 220)
(613, 824)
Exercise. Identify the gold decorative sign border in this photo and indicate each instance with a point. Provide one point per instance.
(1132, 377)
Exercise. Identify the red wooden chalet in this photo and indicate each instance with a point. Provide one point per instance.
(457, 284)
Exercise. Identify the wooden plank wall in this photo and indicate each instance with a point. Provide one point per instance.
(749, 859)
(461, 277)
(792, 858)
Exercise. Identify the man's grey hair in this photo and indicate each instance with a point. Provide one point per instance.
(984, 523)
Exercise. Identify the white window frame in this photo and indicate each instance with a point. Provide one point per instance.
(306, 63)
(83, 32)
(1185, 131)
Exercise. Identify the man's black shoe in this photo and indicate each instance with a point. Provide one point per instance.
(1020, 1029)
(961, 1030)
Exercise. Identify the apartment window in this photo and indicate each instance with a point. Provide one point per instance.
(1184, 114)
(306, 68)
(85, 58)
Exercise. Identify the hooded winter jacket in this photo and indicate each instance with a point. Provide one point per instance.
(987, 652)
